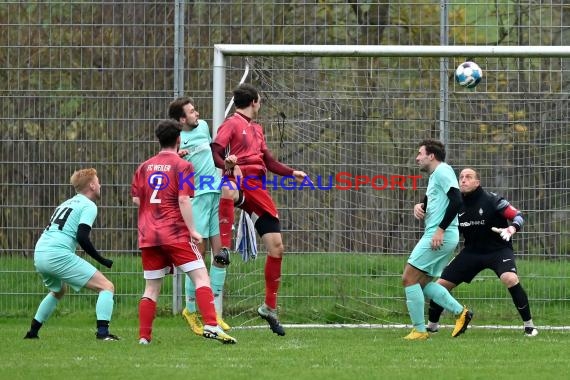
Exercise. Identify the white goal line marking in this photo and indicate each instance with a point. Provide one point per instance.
(394, 326)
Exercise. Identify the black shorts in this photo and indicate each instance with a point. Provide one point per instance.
(465, 266)
(267, 224)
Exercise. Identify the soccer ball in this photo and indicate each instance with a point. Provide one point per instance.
(468, 74)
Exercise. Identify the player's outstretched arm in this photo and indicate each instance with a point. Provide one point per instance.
(510, 213)
(83, 232)
(277, 167)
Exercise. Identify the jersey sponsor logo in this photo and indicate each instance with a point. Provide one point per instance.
(472, 223)
(192, 150)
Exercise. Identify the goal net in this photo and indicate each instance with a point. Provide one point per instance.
(354, 124)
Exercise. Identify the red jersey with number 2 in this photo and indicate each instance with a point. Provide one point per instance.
(158, 182)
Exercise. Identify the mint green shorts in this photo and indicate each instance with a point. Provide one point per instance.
(205, 210)
(57, 268)
(430, 261)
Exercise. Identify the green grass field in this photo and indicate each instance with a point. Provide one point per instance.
(67, 349)
(317, 288)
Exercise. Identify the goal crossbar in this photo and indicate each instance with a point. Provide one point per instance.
(223, 50)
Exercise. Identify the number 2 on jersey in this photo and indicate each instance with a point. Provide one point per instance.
(157, 186)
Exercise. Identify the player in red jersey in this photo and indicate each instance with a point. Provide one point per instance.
(162, 187)
(243, 138)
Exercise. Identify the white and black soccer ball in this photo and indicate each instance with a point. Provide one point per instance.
(468, 74)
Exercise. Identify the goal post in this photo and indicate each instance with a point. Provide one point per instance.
(356, 113)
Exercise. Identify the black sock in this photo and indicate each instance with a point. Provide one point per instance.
(34, 328)
(102, 328)
(434, 311)
(520, 300)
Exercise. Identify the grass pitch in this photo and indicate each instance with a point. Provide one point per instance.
(68, 349)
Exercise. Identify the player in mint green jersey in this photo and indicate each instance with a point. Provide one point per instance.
(435, 248)
(195, 142)
(58, 265)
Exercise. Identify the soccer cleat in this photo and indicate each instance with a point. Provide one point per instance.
(193, 321)
(432, 330)
(216, 332)
(270, 316)
(530, 331)
(222, 324)
(462, 322)
(109, 337)
(143, 341)
(31, 336)
(417, 335)
(222, 257)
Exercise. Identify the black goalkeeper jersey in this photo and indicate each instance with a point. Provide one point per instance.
(482, 210)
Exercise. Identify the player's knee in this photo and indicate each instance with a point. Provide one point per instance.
(446, 284)
(407, 281)
(151, 293)
(108, 285)
(510, 279)
(277, 250)
(230, 191)
(59, 295)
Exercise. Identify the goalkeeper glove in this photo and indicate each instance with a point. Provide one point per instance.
(506, 233)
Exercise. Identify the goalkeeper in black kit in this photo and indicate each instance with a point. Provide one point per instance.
(487, 222)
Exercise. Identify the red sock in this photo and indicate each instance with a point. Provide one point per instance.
(272, 280)
(205, 302)
(226, 215)
(147, 311)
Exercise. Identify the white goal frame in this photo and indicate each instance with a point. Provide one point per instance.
(221, 51)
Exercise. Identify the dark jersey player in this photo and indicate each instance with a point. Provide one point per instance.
(487, 222)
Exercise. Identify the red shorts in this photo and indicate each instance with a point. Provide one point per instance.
(158, 261)
(257, 200)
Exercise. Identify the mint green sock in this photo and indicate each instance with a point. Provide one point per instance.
(104, 306)
(190, 292)
(442, 297)
(46, 308)
(415, 302)
(217, 280)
